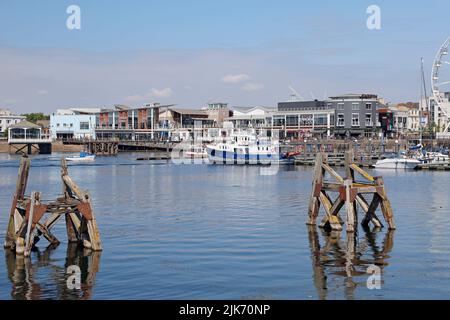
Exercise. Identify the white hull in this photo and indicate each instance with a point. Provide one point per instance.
(81, 159)
(397, 163)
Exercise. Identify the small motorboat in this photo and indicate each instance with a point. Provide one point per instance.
(397, 163)
(83, 157)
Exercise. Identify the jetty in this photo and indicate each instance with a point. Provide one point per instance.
(366, 152)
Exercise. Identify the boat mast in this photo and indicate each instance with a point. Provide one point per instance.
(423, 93)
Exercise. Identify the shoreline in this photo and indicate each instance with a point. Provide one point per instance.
(56, 147)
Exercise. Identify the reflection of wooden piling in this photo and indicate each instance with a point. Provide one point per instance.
(25, 226)
(351, 193)
(346, 258)
(21, 270)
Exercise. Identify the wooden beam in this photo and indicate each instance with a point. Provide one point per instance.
(362, 172)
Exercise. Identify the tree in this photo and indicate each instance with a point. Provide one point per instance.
(34, 117)
(5, 133)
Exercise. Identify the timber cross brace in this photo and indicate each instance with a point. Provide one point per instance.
(350, 193)
(25, 225)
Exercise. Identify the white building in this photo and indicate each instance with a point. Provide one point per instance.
(253, 117)
(73, 123)
(8, 119)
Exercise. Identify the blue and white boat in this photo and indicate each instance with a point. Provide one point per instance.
(84, 156)
(247, 148)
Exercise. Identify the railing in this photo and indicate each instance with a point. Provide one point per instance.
(29, 140)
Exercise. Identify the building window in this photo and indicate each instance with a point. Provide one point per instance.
(355, 119)
(340, 106)
(84, 125)
(368, 106)
(340, 120)
(355, 106)
(369, 120)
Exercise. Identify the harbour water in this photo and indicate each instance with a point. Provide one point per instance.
(227, 232)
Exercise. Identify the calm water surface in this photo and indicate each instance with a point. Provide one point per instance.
(226, 232)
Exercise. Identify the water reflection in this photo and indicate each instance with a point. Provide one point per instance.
(340, 265)
(39, 276)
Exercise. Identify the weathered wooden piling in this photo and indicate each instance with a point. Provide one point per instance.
(350, 192)
(25, 225)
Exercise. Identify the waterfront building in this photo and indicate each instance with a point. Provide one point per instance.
(251, 117)
(28, 135)
(413, 122)
(400, 114)
(406, 117)
(218, 112)
(439, 114)
(356, 114)
(126, 123)
(177, 118)
(292, 120)
(386, 121)
(45, 126)
(302, 119)
(73, 123)
(7, 119)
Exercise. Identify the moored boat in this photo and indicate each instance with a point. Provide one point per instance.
(247, 148)
(83, 157)
(397, 163)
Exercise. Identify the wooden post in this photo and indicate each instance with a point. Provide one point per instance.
(385, 204)
(314, 203)
(349, 206)
(14, 215)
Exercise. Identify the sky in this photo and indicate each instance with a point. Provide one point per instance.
(189, 53)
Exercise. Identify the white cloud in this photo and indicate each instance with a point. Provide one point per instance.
(154, 93)
(42, 92)
(253, 86)
(235, 78)
(160, 93)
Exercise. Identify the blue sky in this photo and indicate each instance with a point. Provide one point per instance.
(194, 52)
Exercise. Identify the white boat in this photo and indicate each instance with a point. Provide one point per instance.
(397, 163)
(83, 157)
(434, 158)
(247, 148)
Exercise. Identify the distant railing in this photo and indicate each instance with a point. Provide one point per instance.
(29, 140)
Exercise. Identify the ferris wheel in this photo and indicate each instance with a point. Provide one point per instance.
(440, 80)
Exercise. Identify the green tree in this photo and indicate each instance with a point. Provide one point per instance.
(34, 117)
(5, 133)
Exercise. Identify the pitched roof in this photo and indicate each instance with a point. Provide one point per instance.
(189, 111)
(25, 125)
